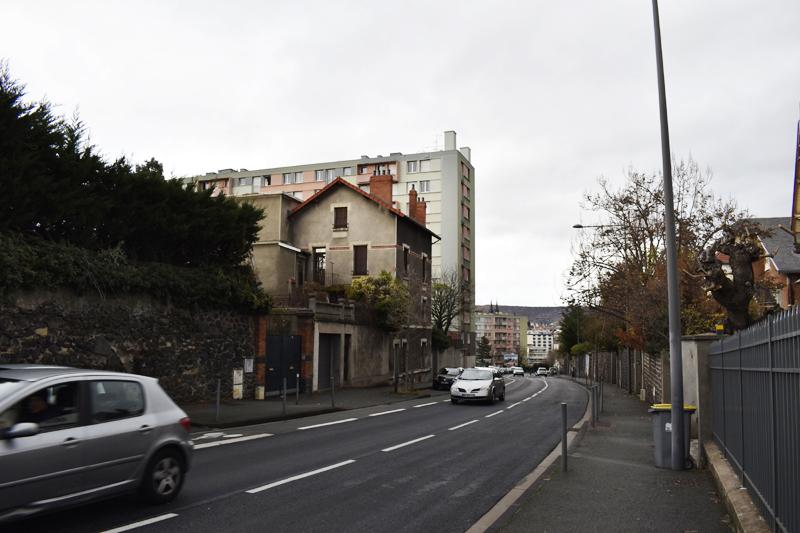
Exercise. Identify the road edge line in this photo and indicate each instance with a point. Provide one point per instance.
(499, 509)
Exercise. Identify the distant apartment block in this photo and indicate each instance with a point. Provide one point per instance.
(540, 342)
(444, 181)
(503, 332)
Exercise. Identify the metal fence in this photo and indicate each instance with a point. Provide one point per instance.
(755, 382)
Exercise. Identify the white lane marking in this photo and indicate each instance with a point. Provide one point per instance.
(495, 413)
(538, 393)
(142, 523)
(299, 476)
(446, 401)
(387, 412)
(513, 405)
(231, 441)
(392, 448)
(425, 404)
(327, 424)
(232, 435)
(526, 399)
(462, 425)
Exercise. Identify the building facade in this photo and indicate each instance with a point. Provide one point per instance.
(541, 341)
(444, 179)
(503, 332)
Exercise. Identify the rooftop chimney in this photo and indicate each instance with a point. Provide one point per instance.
(466, 151)
(422, 207)
(412, 202)
(450, 140)
(381, 188)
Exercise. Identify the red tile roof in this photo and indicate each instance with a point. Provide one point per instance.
(339, 181)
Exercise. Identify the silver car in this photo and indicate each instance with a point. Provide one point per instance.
(69, 436)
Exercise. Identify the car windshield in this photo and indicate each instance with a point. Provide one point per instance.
(452, 371)
(474, 373)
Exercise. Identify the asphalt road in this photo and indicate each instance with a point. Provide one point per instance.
(421, 465)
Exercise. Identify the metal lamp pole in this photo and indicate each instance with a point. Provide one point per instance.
(673, 299)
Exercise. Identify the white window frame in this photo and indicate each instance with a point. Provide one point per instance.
(426, 187)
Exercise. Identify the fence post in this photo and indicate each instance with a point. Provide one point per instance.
(774, 465)
(741, 406)
(563, 437)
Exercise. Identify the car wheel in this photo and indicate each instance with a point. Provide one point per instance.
(453, 400)
(163, 477)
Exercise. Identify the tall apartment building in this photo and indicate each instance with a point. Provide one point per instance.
(540, 342)
(502, 330)
(445, 179)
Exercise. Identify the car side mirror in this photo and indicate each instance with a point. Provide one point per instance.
(23, 429)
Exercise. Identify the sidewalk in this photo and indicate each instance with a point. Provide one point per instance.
(243, 412)
(613, 485)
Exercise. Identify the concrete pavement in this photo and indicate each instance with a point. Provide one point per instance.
(613, 485)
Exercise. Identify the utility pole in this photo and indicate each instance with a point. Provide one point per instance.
(673, 298)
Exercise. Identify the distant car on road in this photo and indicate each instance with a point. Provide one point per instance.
(553, 371)
(70, 436)
(541, 371)
(478, 384)
(518, 371)
(445, 378)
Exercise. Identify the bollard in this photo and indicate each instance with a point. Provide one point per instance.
(297, 389)
(594, 406)
(284, 396)
(563, 437)
(216, 415)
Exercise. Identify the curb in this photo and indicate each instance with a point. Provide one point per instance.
(746, 516)
(506, 502)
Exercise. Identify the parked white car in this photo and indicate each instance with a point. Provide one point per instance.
(478, 384)
(518, 371)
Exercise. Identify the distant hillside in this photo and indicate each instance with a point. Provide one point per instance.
(536, 315)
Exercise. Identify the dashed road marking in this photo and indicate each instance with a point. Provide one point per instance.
(142, 523)
(392, 448)
(231, 441)
(462, 425)
(387, 412)
(299, 476)
(327, 424)
(495, 413)
(425, 404)
(513, 405)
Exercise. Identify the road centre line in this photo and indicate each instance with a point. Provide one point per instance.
(392, 448)
(231, 441)
(462, 425)
(425, 404)
(327, 424)
(299, 476)
(495, 413)
(387, 412)
(528, 398)
(513, 405)
(141, 523)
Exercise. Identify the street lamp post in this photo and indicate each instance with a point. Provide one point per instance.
(673, 299)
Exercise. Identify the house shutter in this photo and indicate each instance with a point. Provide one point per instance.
(360, 260)
(339, 217)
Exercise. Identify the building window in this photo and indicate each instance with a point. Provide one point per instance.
(330, 175)
(298, 177)
(320, 175)
(288, 177)
(347, 171)
(465, 233)
(425, 165)
(243, 182)
(424, 268)
(405, 260)
(464, 190)
(339, 218)
(412, 166)
(465, 212)
(360, 260)
(425, 186)
(319, 265)
(411, 185)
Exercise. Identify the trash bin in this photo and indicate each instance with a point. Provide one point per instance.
(662, 432)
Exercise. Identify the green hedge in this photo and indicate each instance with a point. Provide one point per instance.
(33, 263)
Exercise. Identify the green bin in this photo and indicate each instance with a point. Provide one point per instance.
(662, 432)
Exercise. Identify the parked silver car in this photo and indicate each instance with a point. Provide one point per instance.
(69, 436)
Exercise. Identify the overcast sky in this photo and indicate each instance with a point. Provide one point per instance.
(549, 96)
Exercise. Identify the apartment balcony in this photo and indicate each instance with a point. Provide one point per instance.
(363, 179)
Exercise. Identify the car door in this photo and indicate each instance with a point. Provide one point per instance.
(119, 434)
(48, 465)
